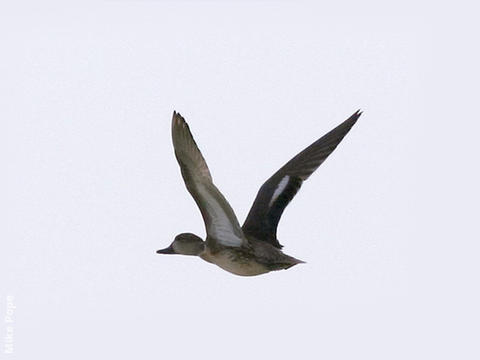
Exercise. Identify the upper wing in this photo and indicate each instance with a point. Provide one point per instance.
(220, 220)
(275, 194)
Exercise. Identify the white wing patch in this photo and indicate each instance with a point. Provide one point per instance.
(221, 228)
(281, 186)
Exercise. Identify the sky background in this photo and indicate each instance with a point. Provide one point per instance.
(92, 189)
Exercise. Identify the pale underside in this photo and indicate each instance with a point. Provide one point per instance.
(225, 260)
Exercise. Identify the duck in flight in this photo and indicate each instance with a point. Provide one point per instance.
(251, 249)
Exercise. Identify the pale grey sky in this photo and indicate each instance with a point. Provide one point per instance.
(93, 188)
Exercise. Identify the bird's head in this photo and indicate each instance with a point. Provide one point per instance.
(185, 244)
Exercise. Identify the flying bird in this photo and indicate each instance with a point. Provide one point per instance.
(251, 249)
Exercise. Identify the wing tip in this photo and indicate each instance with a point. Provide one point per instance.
(177, 115)
(352, 119)
(356, 114)
(178, 122)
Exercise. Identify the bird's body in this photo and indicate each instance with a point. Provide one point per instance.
(259, 257)
(252, 249)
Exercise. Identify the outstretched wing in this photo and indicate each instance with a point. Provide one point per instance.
(220, 221)
(275, 194)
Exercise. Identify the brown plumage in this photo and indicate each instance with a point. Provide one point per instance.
(252, 249)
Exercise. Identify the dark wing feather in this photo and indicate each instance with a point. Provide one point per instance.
(277, 192)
